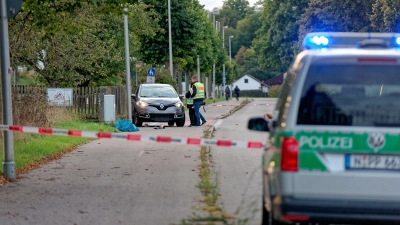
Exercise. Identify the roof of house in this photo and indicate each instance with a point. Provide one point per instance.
(277, 80)
(251, 77)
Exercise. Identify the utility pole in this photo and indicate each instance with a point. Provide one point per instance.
(214, 12)
(213, 85)
(223, 47)
(171, 69)
(8, 142)
(128, 66)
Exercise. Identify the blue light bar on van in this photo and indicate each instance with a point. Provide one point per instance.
(320, 40)
(323, 40)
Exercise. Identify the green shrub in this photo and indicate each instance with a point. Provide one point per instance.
(273, 92)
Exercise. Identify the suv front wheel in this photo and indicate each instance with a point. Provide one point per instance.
(181, 123)
(136, 120)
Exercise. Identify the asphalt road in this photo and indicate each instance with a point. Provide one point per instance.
(112, 182)
(238, 171)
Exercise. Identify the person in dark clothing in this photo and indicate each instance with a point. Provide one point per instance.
(198, 94)
(237, 92)
(190, 106)
(227, 93)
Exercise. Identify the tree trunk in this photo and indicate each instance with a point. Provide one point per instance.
(188, 81)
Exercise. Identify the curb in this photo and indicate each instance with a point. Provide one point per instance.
(236, 108)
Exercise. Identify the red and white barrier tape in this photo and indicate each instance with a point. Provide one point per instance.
(237, 104)
(134, 137)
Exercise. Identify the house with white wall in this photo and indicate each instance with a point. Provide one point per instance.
(247, 82)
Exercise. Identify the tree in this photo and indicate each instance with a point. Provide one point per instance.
(47, 15)
(188, 24)
(240, 56)
(87, 49)
(386, 16)
(277, 39)
(246, 31)
(247, 62)
(193, 35)
(233, 11)
(332, 15)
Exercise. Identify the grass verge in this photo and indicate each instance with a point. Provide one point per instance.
(210, 100)
(31, 151)
(213, 213)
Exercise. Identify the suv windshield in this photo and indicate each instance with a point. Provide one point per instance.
(351, 95)
(157, 92)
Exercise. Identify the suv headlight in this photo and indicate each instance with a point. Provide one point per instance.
(142, 104)
(178, 104)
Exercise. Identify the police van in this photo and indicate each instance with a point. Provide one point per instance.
(333, 155)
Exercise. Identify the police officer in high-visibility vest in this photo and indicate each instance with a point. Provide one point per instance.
(198, 94)
(190, 107)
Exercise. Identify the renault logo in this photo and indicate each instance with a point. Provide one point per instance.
(161, 106)
(376, 141)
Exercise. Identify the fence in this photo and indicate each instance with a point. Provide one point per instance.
(87, 102)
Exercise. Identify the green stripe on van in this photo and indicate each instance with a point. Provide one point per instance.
(308, 160)
(348, 142)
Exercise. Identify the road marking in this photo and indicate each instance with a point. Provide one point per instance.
(218, 123)
(141, 153)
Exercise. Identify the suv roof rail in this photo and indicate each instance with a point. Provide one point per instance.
(321, 40)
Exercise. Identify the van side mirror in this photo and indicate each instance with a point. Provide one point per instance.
(258, 124)
(133, 96)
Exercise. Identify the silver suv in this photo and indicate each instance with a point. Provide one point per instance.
(157, 103)
(333, 154)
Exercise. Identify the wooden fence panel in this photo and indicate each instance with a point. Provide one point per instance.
(87, 101)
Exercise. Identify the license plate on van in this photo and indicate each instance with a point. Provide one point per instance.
(383, 162)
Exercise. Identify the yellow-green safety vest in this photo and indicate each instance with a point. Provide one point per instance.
(189, 101)
(200, 91)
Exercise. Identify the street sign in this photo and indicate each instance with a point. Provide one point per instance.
(265, 89)
(13, 7)
(151, 72)
(151, 80)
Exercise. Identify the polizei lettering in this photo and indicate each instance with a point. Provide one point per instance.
(326, 143)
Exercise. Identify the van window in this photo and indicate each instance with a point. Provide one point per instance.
(351, 95)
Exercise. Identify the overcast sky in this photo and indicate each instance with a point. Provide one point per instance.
(210, 4)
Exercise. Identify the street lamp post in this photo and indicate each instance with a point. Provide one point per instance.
(128, 65)
(8, 137)
(213, 85)
(223, 47)
(214, 12)
(170, 39)
(230, 50)
(223, 36)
